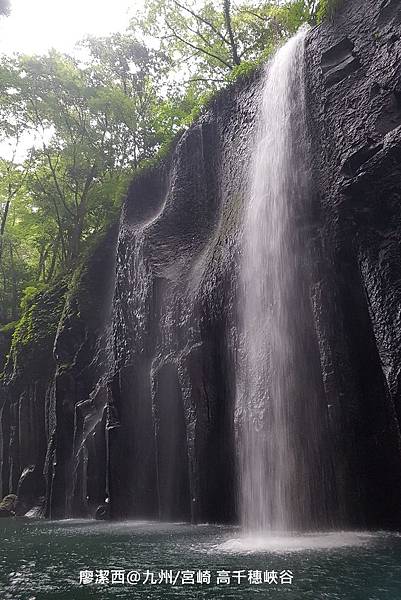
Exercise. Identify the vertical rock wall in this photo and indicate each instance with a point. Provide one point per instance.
(129, 395)
(171, 436)
(53, 393)
(355, 116)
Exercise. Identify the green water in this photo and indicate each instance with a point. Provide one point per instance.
(43, 560)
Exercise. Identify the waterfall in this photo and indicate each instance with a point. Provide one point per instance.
(278, 397)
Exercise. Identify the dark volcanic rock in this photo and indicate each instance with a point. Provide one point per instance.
(31, 486)
(171, 435)
(357, 142)
(8, 506)
(102, 512)
(129, 400)
(54, 393)
(5, 342)
(24, 390)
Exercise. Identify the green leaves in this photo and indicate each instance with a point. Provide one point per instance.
(326, 9)
(74, 129)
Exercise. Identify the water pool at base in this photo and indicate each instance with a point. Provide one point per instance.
(43, 561)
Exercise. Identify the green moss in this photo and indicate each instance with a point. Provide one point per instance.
(41, 316)
(34, 333)
(245, 69)
(327, 9)
(91, 285)
(9, 328)
(28, 296)
(80, 285)
(73, 304)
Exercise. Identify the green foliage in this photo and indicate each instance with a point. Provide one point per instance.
(28, 296)
(327, 9)
(77, 130)
(35, 332)
(69, 186)
(211, 39)
(245, 69)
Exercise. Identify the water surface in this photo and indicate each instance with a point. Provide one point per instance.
(43, 560)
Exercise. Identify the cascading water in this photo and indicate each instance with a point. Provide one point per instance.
(281, 421)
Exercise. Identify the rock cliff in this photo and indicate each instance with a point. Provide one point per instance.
(121, 385)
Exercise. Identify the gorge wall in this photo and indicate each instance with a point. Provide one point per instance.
(121, 385)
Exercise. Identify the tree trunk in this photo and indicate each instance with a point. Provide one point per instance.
(81, 214)
(3, 226)
(229, 27)
(14, 295)
(49, 276)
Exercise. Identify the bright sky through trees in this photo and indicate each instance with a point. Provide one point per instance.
(77, 124)
(35, 26)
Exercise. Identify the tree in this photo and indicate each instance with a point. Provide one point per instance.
(75, 152)
(12, 178)
(79, 127)
(209, 40)
(82, 128)
(133, 74)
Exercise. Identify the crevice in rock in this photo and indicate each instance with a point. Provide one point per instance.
(390, 116)
(339, 61)
(357, 159)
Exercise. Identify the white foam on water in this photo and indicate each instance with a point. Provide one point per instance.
(277, 543)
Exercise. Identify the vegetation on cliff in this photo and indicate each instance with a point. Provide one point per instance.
(34, 334)
(75, 129)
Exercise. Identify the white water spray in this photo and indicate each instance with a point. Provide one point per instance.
(279, 447)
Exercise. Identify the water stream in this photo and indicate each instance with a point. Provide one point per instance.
(282, 466)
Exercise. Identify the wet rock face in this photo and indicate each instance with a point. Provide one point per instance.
(171, 431)
(355, 110)
(5, 340)
(172, 443)
(53, 394)
(129, 403)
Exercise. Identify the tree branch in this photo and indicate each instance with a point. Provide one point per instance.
(199, 49)
(203, 20)
(233, 45)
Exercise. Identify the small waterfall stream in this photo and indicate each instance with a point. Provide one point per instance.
(278, 391)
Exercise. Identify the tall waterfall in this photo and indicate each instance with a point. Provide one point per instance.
(278, 397)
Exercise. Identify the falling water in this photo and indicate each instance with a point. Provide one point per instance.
(278, 390)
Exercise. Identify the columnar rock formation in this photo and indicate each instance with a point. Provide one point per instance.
(123, 387)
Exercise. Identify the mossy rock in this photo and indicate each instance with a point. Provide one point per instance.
(9, 328)
(327, 9)
(8, 506)
(34, 334)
